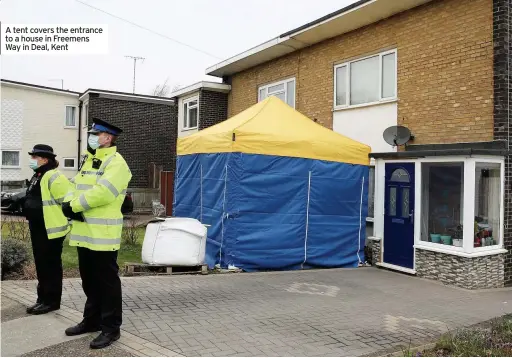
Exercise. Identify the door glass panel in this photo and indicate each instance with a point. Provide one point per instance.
(405, 202)
(400, 176)
(392, 201)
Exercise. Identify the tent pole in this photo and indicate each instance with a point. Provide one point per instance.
(223, 214)
(307, 223)
(201, 185)
(360, 222)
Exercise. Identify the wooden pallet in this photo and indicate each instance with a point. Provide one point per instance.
(132, 268)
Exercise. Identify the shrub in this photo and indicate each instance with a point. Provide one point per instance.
(15, 254)
(16, 228)
(130, 234)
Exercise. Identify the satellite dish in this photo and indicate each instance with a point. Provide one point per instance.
(397, 135)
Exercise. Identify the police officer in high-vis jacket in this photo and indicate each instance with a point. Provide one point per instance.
(100, 189)
(48, 226)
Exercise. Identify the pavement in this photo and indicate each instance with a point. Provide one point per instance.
(339, 312)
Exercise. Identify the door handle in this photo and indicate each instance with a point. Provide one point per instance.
(411, 216)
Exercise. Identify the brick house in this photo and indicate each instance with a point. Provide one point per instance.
(200, 106)
(441, 206)
(149, 124)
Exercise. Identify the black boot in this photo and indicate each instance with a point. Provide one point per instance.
(82, 328)
(104, 340)
(44, 308)
(31, 308)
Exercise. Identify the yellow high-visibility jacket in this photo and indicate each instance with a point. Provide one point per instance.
(99, 195)
(55, 188)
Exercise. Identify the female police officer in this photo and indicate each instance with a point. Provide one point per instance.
(48, 225)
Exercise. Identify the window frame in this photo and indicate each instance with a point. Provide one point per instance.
(348, 64)
(10, 166)
(283, 82)
(69, 168)
(186, 102)
(75, 115)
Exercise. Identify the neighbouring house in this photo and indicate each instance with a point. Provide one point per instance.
(200, 106)
(148, 141)
(32, 114)
(440, 207)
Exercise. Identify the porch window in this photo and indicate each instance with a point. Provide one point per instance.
(487, 204)
(442, 203)
(371, 192)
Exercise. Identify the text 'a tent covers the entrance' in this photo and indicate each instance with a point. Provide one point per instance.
(279, 191)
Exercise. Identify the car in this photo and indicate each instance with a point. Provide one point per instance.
(12, 201)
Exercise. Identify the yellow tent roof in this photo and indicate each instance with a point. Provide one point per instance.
(272, 127)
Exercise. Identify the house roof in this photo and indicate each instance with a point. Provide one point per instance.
(210, 86)
(349, 18)
(31, 85)
(126, 95)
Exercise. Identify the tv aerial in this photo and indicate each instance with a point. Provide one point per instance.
(397, 135)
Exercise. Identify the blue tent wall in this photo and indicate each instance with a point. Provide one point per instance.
(266, 210)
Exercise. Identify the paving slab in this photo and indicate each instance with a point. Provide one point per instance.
(12, 309)
(30, 333)
(339, 312)
(78, 348)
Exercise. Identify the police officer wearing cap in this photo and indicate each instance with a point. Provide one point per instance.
(100, 189)
(48, 226)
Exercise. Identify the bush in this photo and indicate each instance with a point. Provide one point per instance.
(15, 254)
(130, 234)
(16, 227)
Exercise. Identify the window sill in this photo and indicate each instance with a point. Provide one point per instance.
(10, 167)
(442, 250)
(189, 129)
(374, 238)
(369, 220)
(69, 127)
(345, 108)
(64, 168)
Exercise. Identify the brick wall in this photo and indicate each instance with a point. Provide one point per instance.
(149, 133)
(213, 108)
(445, 77)
(502, 98)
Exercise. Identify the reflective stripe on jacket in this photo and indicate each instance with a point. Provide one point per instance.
(99, 194)
(55, 189)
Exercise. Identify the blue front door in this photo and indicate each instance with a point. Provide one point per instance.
(399, 215)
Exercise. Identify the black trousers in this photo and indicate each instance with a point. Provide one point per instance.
(102, 286)
(48, 261)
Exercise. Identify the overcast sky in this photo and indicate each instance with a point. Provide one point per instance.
(222, 28)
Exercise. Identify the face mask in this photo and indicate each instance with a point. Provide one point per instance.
(93, 141)
(32, 163)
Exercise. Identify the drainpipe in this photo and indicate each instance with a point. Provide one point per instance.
(79, 133)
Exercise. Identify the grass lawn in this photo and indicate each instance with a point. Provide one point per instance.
(488, 339)
(18, 229)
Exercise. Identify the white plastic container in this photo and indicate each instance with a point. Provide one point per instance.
(175, 241)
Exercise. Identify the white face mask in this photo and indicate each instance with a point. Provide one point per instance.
(93, 141)
(33, 164)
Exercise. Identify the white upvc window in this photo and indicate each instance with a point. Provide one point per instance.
(69, 163)
(191, 113)
(365, 81)
(461, 205)
(284, 90)
(10, 158)
(70, 117)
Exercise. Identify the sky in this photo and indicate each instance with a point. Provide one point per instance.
(222, 28)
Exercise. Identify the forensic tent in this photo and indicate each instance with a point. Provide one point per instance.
(277, 190)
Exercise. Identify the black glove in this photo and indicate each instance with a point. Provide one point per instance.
(68, 212)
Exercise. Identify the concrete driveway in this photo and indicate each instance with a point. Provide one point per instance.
(310, 313)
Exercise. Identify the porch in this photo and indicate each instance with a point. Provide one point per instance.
(439, 213)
